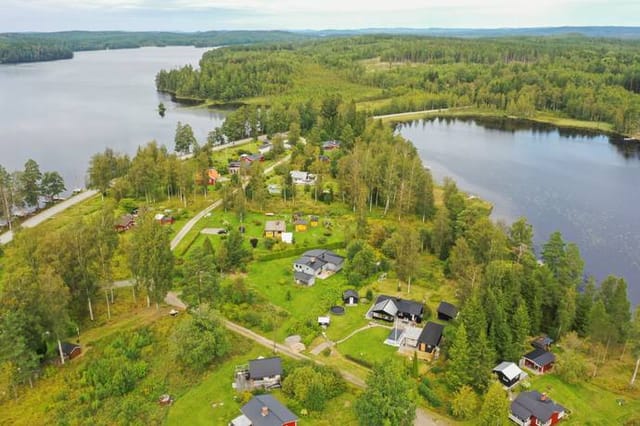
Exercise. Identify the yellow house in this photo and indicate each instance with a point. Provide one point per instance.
(301, 225)
(274, 228)
(315, 221)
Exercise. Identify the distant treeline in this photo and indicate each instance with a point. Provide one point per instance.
(581, 78)
(34, 47)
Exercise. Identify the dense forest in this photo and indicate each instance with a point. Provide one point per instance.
(34, 47)
(575, 77)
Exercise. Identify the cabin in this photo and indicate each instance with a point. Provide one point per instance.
(324, 321)
(274, 189)
(319, 263)
(304, 279)
(350, 297)
(542, 342)
(260, 373)
(251, 158)
(447, 311)
(330, 145)
(164, 219)
(234, 167)
(125, 223)
(302, 178)
(538, 360)
(535, 409)
(301, 225)
(314, 221)
(265, 147)
(430, 337)
(274, 228)
(389, 308)
(69, 350)
(265, 410)
(509, 373)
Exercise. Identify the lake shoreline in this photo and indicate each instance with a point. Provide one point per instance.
(546, 118)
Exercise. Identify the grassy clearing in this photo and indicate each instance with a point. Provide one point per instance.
(589, 404)
(369, 346)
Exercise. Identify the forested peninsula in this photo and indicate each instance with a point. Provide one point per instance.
(36, 47)
(596, 80)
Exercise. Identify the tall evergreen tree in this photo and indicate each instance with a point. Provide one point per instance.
(459, 360)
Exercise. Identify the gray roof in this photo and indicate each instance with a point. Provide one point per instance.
(402, 305)
(275, 226)
(533, 403)
(278, 413)
(312, 262)
(431, 334)
(541, 357)
(350, 293)
(265, 367)
(67, 348)
(508, 369)
(302, 277)
(326, 255)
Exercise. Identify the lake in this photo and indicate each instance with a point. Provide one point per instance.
(60, 113)
(583, 185)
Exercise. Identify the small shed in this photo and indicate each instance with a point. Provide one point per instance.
(508, 373)
(287, 237)
(125, 223)
(350, 297)
(314, 221)
(70, 350)
(542, 342)
(447, 311)
(324, 321)
(301, 225)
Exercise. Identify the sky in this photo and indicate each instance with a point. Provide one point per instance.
(202, 15)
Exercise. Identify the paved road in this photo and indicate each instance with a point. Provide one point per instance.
(49, 213)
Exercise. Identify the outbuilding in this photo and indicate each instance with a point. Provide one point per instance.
(350, 297)
(508, 373)
(447, 311)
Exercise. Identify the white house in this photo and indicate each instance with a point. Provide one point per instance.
(302, 178)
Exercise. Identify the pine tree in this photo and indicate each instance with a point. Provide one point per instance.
(459, 364)
(495, 408)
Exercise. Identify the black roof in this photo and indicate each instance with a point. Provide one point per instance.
(431, 334)
(265, 367)
(405, 306)
(350, 293)
(541, 357)
(448, 309)
(67, 347)
(277, 416)
(533, 403)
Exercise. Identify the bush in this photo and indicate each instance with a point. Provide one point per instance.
(428, 394)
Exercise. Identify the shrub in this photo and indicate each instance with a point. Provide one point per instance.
(428, 394)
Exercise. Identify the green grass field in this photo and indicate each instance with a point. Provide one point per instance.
(369, 346)
(588, 404)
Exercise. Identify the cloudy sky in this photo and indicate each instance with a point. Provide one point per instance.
(192, 15)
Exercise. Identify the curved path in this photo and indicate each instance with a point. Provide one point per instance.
(49, 213)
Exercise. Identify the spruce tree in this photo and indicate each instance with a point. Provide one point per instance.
(459, 365)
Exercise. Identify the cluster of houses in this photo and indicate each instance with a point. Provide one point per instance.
(262, 374)
(406, 334)
(277, 229)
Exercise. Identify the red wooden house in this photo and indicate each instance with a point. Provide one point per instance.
(538, 360)
(265, 410)
(535, 409)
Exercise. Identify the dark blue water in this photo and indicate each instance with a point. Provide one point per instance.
(60, 113)
(585, 186)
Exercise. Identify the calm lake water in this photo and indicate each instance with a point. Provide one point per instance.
(585, 186)
(60, 113)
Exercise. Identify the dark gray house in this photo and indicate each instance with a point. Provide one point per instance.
(387, 308)
(538, 360)
(265, 410)
(429, 340)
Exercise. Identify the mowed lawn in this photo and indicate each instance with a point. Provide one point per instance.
(213, 401)
(369, 346)
(274, 281)
(588, 404)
